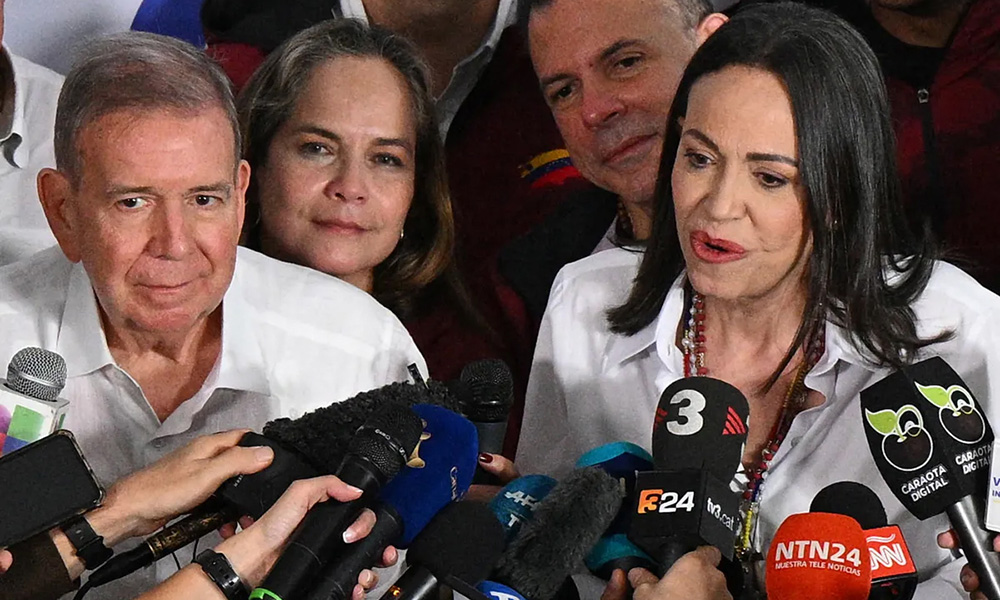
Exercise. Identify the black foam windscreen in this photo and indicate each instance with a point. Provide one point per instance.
(463, 541)
(566, 525)
(486, 389)
(322, 436)
(853, 499)
(700, 423)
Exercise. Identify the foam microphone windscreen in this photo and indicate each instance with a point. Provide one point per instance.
(438, 473)
(322, 436)
(566, 525)
(818, 555)
(700, 423)
(853, 499)
(463, 541)
(621, 460)
(516, 503)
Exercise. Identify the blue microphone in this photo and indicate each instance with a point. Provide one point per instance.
(621, 460)
(439, 472)
(517, 501)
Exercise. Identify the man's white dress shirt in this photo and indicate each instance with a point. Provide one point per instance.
(589, 387)
(26, 147)
(293, 340)
(466, 73)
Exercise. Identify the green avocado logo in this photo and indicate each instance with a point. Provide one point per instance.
(906, 445)
(956, 411)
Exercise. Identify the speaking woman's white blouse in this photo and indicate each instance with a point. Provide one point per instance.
(589, 387)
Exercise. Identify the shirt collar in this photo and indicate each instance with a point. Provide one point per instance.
(506, 15)
(81, 338)
(663, 332)
(15, 150)
(83, 343)
(660, 332)
(241, 365)
(354, 9)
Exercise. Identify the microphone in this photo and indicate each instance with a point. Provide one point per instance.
(458, 547)
(486, 392)
(894, 576)
(621, 460)
(377, 453)
(698, 437)
(931, 443)
(566, 525)
(305, 447)
(515, 504)
(818, 555)
(324, 434)
(30, 406)
(439, 472)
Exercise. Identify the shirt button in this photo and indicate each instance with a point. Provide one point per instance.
(159, 444)
(794, 441)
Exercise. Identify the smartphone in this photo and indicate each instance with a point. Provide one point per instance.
(43, 485)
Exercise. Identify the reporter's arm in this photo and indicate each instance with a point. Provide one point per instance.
(145, 501)
(253, 552)
(135, 506)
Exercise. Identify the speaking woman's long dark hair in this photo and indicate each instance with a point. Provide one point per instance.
(866, 267)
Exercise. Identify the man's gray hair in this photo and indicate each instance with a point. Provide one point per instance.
(137, 71)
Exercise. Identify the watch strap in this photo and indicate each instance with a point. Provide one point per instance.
(220, 570)
(90, 548)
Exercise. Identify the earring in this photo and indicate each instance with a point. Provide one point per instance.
(401, 233)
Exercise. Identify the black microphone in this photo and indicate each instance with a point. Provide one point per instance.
(310, 445)
(485, 391)
(932, 445)
(439, 473)
(698, 437)
(894, 576)
(566, 524)
(377, 452)
(459, 546)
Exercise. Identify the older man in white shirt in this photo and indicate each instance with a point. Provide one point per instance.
(28, 93)
(169, 332)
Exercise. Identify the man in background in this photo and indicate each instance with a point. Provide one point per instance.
(28, 93)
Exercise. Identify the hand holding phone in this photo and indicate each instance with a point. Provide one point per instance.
(43, 485)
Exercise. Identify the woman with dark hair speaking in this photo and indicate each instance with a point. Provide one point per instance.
(779, 262)
(348, 177)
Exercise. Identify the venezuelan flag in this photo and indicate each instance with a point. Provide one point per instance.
(549, 168)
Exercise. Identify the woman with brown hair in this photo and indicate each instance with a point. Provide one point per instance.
(348, 177)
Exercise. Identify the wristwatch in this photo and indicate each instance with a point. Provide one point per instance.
(219, 570)
(90, 548)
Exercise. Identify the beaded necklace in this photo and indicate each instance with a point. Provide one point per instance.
(693, 344)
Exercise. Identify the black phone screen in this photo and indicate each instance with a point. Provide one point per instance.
(42, 485)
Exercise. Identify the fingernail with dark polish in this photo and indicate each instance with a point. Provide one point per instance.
(485, 458)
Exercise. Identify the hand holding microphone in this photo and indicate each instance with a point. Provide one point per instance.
(931, 443)
(252, 552)
(695, 576)
(969, 578)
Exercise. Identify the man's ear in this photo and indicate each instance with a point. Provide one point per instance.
(708, 26)
(55, 191)
(242, 183)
